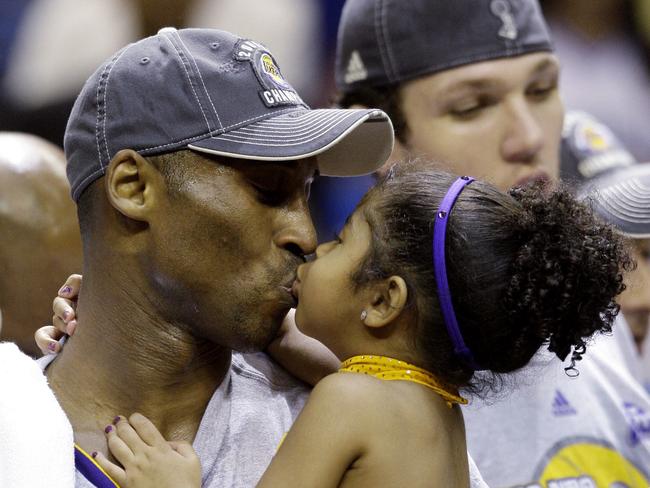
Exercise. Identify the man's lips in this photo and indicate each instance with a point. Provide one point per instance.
(288, 287)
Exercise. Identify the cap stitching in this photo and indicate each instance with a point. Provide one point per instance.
(81, 185)
(177, 51)
(201, 136)
(389, 52)
(294, 129)
(248, 131)
(380, 38)
(108, 76)
(97, 132)
(244, 140)
(468, 60)
(201, 78)
(242, 122)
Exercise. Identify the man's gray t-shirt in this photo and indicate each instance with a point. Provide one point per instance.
(245, 421)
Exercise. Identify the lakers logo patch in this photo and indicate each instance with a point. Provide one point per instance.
(275, 89)
(270, 68)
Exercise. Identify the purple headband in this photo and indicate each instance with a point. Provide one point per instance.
(440, 270)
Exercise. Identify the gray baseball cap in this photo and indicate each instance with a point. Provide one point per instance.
(385, 42)
(213, 92)
(603, 172)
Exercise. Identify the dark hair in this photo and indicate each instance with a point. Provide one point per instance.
(387, 98)
(525, 268)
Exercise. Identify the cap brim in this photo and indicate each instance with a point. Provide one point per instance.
(623, 199)
(346, 142)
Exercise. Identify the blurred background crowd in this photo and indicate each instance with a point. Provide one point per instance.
(48, 48)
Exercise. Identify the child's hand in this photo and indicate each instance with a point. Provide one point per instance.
(64, 319)
(148, 460)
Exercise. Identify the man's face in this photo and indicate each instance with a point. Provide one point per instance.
(225, 246)
(635, 300)
(497, 120)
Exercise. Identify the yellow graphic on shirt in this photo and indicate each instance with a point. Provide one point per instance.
(595, 139)
(590, 466)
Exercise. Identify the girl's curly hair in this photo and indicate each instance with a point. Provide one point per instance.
(527, 268)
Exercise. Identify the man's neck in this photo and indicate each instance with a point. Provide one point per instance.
(124, 359)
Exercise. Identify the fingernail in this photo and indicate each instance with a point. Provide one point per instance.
(108, 428)
(66, 314)
(93, 454)
(52, 346)
(70, 328)
(65, 290)
(116, 420)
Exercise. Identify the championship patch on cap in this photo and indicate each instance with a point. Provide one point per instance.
(503, 10)
(594, 147)
(275, 89)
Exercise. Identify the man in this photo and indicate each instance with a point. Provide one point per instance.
(190, 159)
(470, 84)
(37, 223)
(450, 73)
(474, 85)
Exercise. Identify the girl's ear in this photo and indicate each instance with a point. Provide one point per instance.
(388, 299)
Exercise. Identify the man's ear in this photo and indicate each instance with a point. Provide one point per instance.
(130, 181)
(388, 299)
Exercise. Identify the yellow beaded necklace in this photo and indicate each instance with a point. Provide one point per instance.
(389, 369)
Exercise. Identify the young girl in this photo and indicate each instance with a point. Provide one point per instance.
(432, 279)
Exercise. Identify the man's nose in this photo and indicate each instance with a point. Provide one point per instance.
(524, 136)
(295, 230)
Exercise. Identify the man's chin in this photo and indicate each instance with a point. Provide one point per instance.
(259, 339)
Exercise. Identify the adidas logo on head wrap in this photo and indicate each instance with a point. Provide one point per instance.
(356, 70)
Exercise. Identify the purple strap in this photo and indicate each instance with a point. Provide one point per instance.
(90, 470)
(440, 269)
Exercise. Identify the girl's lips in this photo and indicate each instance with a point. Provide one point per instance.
(295, 288)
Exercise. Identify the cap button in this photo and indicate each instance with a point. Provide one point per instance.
(167, 29)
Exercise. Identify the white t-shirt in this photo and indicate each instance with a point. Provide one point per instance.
(35, 435)
(554, 431)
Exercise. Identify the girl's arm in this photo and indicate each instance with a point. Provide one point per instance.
(327, 438)
(301, 355)
(329, 435)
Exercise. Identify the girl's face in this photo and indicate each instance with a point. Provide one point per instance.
(327, 300)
